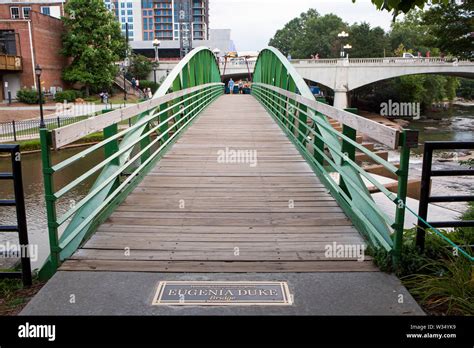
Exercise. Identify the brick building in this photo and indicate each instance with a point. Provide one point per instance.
(30, 34)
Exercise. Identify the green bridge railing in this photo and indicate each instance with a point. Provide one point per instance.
(331, 153)
(128, 154)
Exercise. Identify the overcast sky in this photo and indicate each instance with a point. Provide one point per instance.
(254, 22)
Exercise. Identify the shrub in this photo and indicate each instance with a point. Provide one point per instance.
(68, 95)
(149, 84)
(28, 96)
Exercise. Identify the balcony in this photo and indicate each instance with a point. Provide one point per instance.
(10, 63)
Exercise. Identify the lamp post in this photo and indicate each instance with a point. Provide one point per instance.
(156, 44)
(347, 47)
(38, 71)
(342, 35)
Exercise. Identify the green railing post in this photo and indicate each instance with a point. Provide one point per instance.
(46, 141)
(401, 197)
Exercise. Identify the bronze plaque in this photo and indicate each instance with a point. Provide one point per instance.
(225, 293)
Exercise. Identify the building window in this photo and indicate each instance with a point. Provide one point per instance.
(129, 5)
(15, 12)
(45, 10)
(130, 19)
(26, 12)
(130, 12)
(122, 12)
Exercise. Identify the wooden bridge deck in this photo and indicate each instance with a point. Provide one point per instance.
(194, 214)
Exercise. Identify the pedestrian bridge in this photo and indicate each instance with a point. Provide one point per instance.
(202, 182)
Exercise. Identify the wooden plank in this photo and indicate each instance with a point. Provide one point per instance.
(278, 214)
(220, 267)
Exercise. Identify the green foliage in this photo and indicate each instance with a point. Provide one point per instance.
(28, 96)
(439, 279)
(94, 41)
(367, 42)
(466, 89)
(309, 34)
(451, 26)
(68, 95)
(149, 84)
(140, 66)
(404, 6)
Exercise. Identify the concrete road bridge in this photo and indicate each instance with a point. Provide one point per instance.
(345, 75)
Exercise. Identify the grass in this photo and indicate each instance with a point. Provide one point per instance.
(13, 297)
(34, 144)
(440, 279)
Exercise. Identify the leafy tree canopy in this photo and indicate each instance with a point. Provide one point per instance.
(140, 66)
(94, 41)
(451, 26)
(404, 6)
(310, 34)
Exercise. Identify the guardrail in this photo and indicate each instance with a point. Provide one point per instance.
(158, 130)
(383, 61)
(293, 111)
(425, 195)
(29, 129)
(128, 154)
(19, 203)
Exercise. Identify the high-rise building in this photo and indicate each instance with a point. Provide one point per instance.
(183, 20)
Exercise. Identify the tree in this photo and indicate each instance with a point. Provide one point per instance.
(94, 41)
(404, 6)
(367, 42)
(309, 34)
(140, 66)
(451, 27)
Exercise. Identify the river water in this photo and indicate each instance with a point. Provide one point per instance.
(34, 197)
(455, 124)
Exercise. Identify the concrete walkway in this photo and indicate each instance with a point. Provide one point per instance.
(131, 293)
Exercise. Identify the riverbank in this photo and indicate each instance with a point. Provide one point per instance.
(33, 146)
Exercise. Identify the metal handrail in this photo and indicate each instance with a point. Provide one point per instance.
(129, 154)
(287, 98)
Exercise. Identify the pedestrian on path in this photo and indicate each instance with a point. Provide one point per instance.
(138, 83)
(149, 93)
(134, 83)
(241, 87)
(231, 86)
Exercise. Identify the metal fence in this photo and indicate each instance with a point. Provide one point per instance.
(19, 203)
(29, 129)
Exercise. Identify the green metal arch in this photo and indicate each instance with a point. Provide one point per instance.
(273, 68)
(199, 67)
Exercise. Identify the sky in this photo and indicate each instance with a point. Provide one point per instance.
(254, 22)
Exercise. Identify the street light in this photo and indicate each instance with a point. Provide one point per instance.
(38, 71)
(342, 35)
(155, 67)
(156, 44)
(347, 47)
(216, 51)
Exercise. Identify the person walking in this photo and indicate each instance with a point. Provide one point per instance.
(150, 94)
(134, 83)
(241, 87)
(137, 83)
(231, 86)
